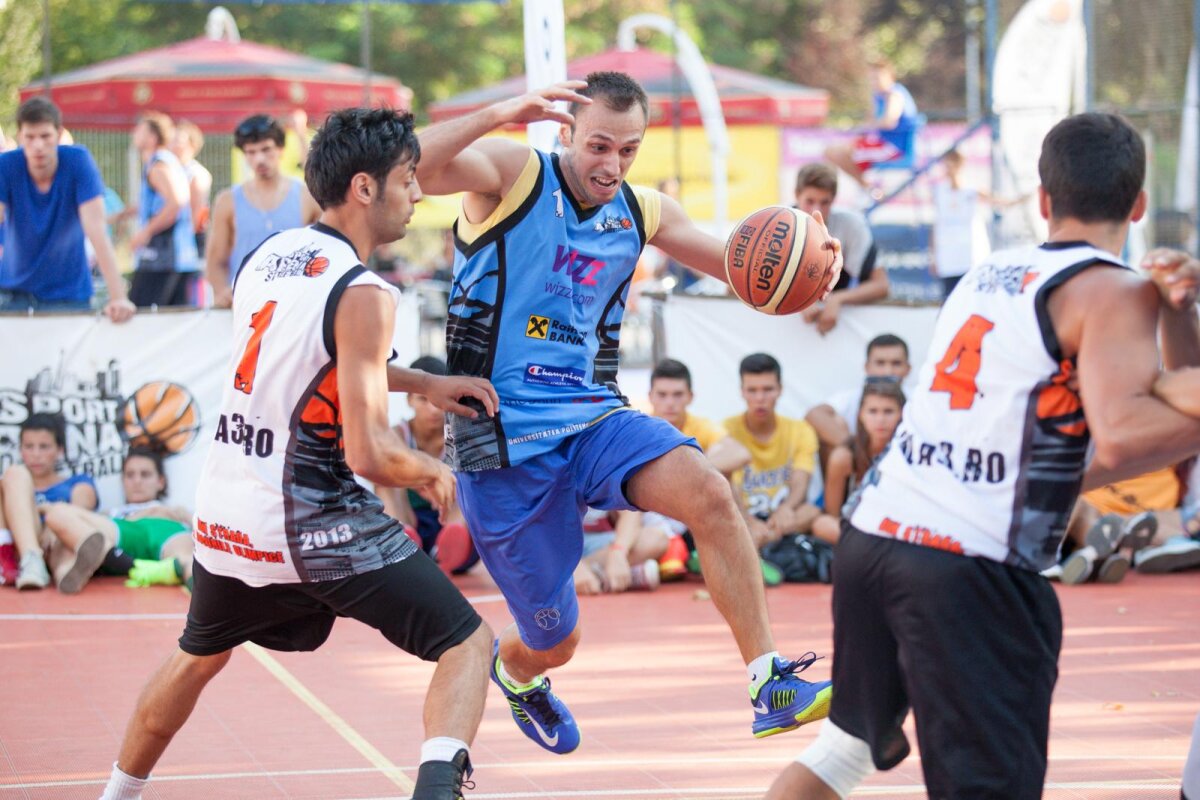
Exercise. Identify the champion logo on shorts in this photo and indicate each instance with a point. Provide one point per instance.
(547, 618)
(546, 375)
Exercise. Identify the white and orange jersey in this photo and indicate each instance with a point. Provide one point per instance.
(989, 456)
(276, 502)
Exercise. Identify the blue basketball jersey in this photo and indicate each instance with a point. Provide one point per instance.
(536, 307)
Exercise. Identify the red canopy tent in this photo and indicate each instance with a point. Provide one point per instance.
(215, 83)
(746, 98)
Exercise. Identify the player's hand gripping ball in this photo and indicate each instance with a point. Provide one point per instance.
(778, 260)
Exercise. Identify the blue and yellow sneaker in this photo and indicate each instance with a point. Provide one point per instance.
(782, 702)
(538, 713)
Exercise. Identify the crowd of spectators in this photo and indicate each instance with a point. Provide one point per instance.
(790, 476)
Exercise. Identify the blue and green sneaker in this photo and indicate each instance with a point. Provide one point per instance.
(538, 712)
(783, 702)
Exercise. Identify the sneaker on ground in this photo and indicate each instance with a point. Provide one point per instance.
(772, 575)
(1177, 553)
(644, 576)
(783, 702)
(1099, 543)
(673, 564)
(444, 780)
(538, 712)
(33, 573)
(147, 572)
(8, 564)
(88, 559)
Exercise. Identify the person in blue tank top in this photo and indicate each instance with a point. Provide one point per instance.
(35, 482)
(244, 215)
(51, 200)
(547, 245)
(166, 262)
(894, 120)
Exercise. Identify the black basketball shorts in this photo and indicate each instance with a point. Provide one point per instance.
(971, 645)
(410, 602)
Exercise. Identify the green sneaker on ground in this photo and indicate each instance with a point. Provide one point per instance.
(146, 572)
(772, 575)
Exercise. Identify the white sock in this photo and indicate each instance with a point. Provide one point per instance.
(515, 684)
(1191, 768)
(123, 787)
(5, 536)
(760, 668)
(441, 748)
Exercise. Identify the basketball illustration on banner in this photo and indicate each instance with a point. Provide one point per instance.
(161, 415)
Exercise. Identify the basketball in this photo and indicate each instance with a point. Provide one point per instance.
(316, 267)
(776, 260)
(161, 415)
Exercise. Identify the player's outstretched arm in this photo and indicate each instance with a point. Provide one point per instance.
(452, 160)
(445, 392)
(373, 449)
(1109, 316)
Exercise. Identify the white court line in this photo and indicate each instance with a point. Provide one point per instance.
(87, 617)
(479, 600)
(330, 717)
(574, 765)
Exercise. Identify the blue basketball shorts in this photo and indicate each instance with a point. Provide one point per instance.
(527, 520)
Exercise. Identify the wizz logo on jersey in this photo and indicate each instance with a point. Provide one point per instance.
(304, 261)
(582, 268)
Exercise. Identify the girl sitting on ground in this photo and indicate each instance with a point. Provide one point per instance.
(145, 539)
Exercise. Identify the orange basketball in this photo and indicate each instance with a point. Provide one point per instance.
(316, 266)
(776, 260)
(161, 415)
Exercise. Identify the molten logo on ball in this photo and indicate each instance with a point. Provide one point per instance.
(778, 260)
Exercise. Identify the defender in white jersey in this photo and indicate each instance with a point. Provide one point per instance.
(286, 539)
(938, 604)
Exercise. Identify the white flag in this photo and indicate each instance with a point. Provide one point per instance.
(545, 61)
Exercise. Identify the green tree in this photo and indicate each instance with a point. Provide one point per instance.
(20, 51)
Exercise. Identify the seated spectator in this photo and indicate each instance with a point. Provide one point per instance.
(670, 396)
(35, 482)
(879, 413)
(146, 539)
(167, 266)
(619, 553)
(894, 120)
(837, 420)
(186, 145)
(51, 200)
(444, 538)
(771, 489)
(861, 283)
(1142, 521)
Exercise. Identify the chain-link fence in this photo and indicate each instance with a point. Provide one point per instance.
(121, 169)
(1137, 66)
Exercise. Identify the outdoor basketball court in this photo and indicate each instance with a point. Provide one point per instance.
(657, 687)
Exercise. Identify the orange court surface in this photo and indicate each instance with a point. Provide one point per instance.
(657, 687)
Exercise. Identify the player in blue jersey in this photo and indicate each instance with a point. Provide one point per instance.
(546, 248)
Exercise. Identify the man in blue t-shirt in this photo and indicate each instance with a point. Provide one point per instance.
(51, 197)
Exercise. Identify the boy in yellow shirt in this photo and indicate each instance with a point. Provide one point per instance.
(771, 489)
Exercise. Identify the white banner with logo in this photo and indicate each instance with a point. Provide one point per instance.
(712, 335)
(156, 379)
